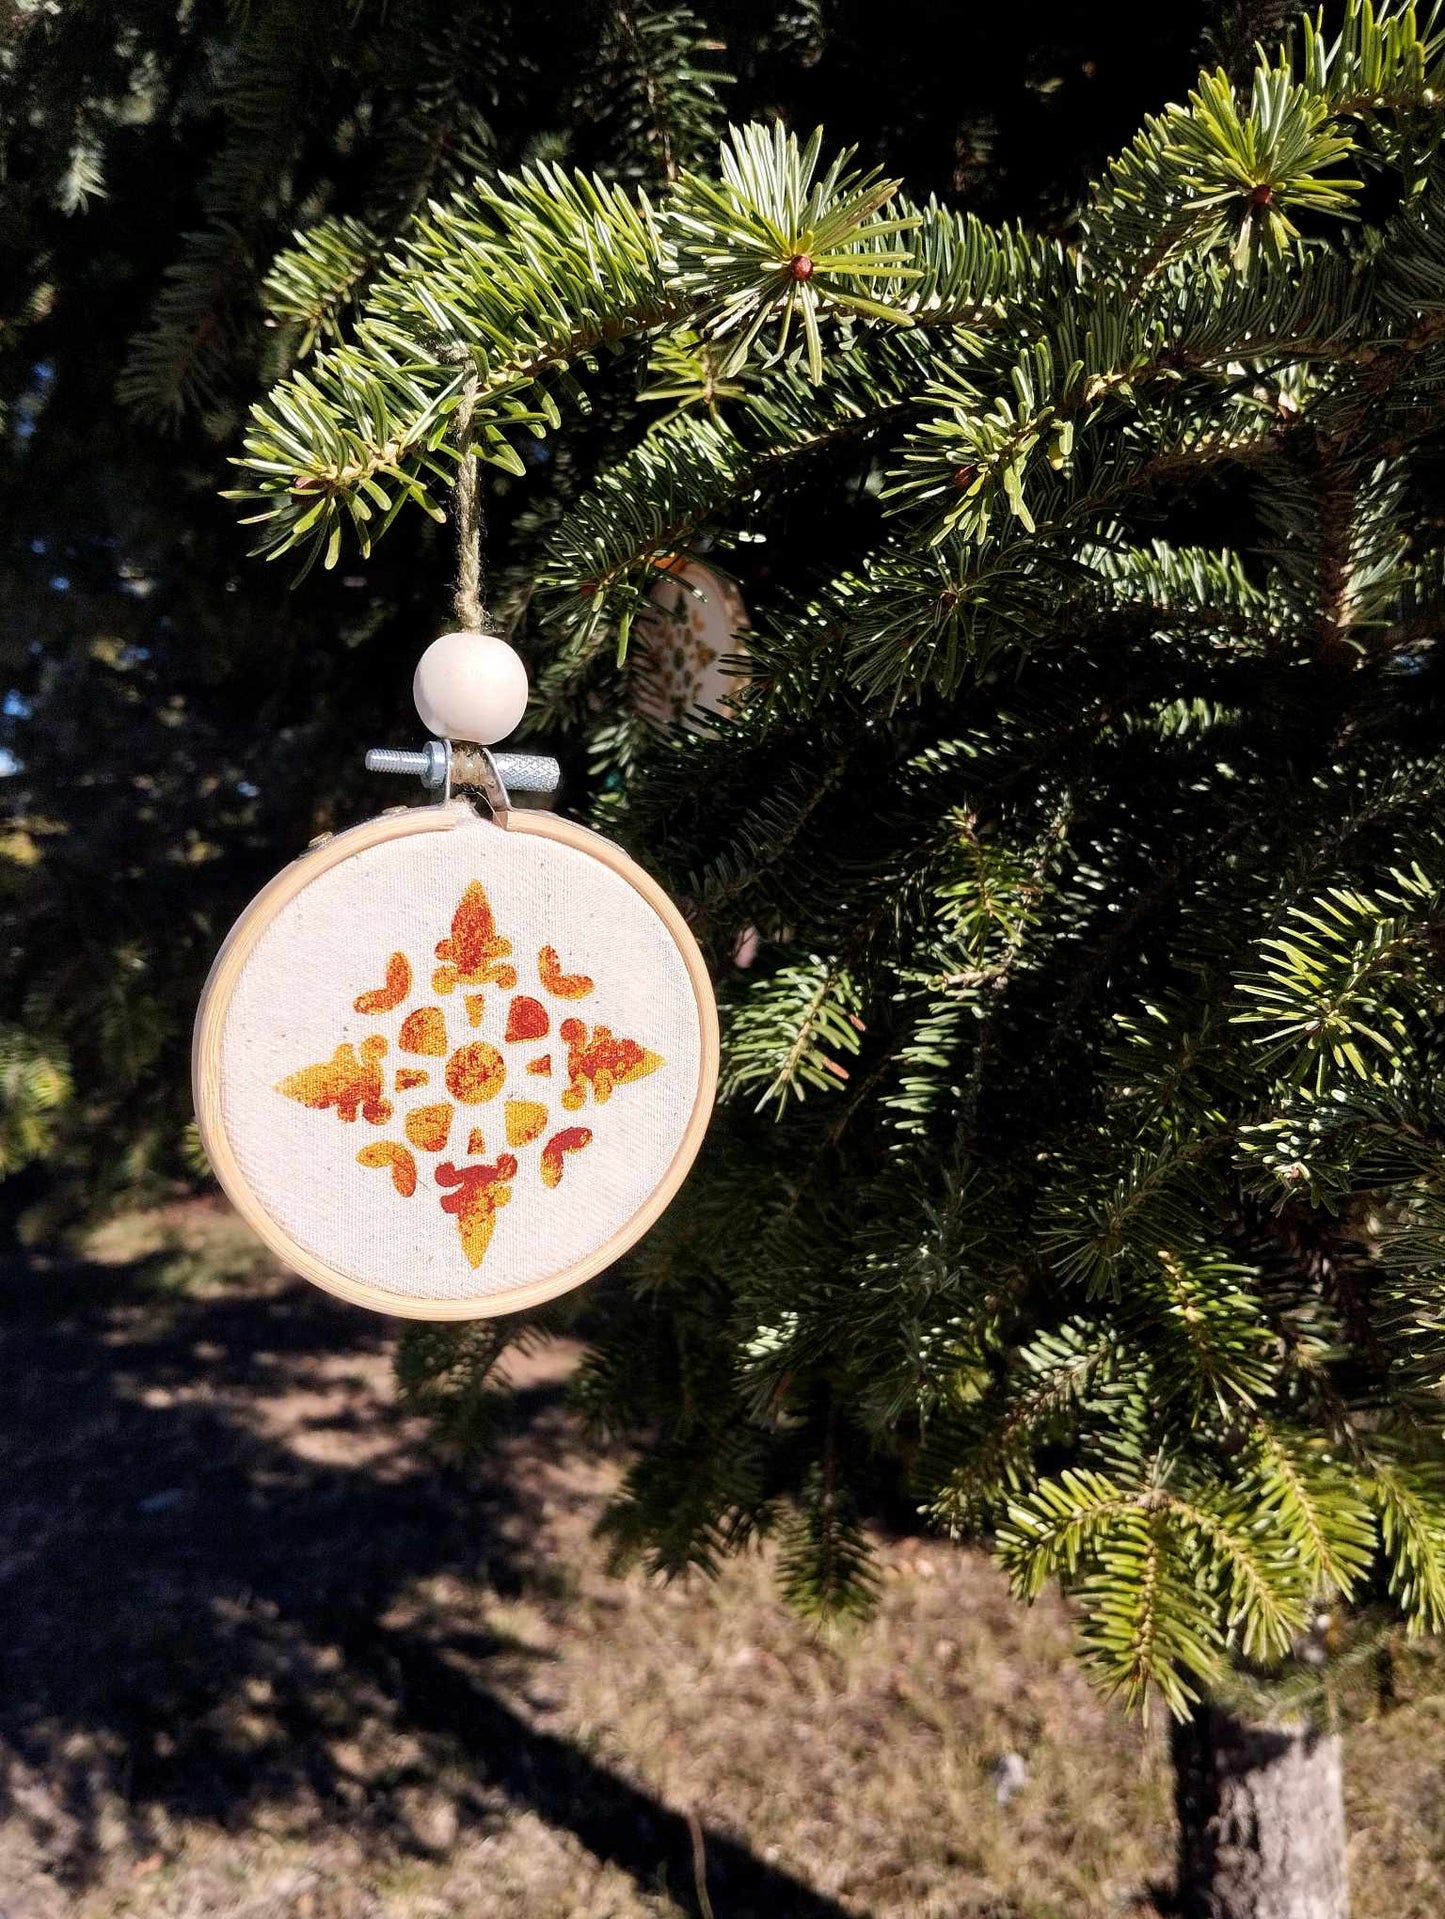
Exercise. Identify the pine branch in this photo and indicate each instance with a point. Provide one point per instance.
(1340, 976)
(538, 272)
(786, 1033)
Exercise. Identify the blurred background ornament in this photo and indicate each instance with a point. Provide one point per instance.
(691, 649)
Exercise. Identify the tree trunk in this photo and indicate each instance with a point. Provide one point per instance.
(1261, 1820)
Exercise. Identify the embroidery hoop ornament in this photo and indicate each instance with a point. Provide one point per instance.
(460, 1048)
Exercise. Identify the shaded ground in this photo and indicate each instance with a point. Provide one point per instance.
(261, 1654)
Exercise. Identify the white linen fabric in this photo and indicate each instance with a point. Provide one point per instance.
(293, 1005)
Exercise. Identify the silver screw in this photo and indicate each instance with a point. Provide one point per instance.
(519, 772)
(429, 766)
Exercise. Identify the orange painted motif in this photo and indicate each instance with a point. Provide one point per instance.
(525, 1119)
(571, 1139)
(563, 985)
(601, 1062)
(387, 1152)
(527, 1018)
(480, 1190)
(475, 1073)
(350, 1081)
(424, 1031)
(384, 998)
(427, 1127)
(475, 953)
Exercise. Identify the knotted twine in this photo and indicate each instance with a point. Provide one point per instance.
(471, 613)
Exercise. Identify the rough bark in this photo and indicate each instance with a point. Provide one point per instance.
(1261, 1821)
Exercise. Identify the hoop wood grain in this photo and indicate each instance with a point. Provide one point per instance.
(232, 959)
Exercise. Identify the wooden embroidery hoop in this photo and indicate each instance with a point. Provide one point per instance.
(229, 962)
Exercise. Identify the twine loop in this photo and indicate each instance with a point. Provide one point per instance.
(467, 602)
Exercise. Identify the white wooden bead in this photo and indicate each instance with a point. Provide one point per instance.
(470, 686)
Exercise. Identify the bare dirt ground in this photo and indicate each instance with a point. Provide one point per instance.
(265, 1655)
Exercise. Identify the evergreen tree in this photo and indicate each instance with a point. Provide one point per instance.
(1085, 1114)
(175, 722)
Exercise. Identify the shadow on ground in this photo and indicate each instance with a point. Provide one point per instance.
(197, 1619)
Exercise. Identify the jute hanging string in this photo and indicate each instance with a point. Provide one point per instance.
(467, 510)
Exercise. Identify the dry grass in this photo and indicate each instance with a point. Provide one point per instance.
(267, 1656)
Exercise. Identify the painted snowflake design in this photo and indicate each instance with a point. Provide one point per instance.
(473, 1073)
